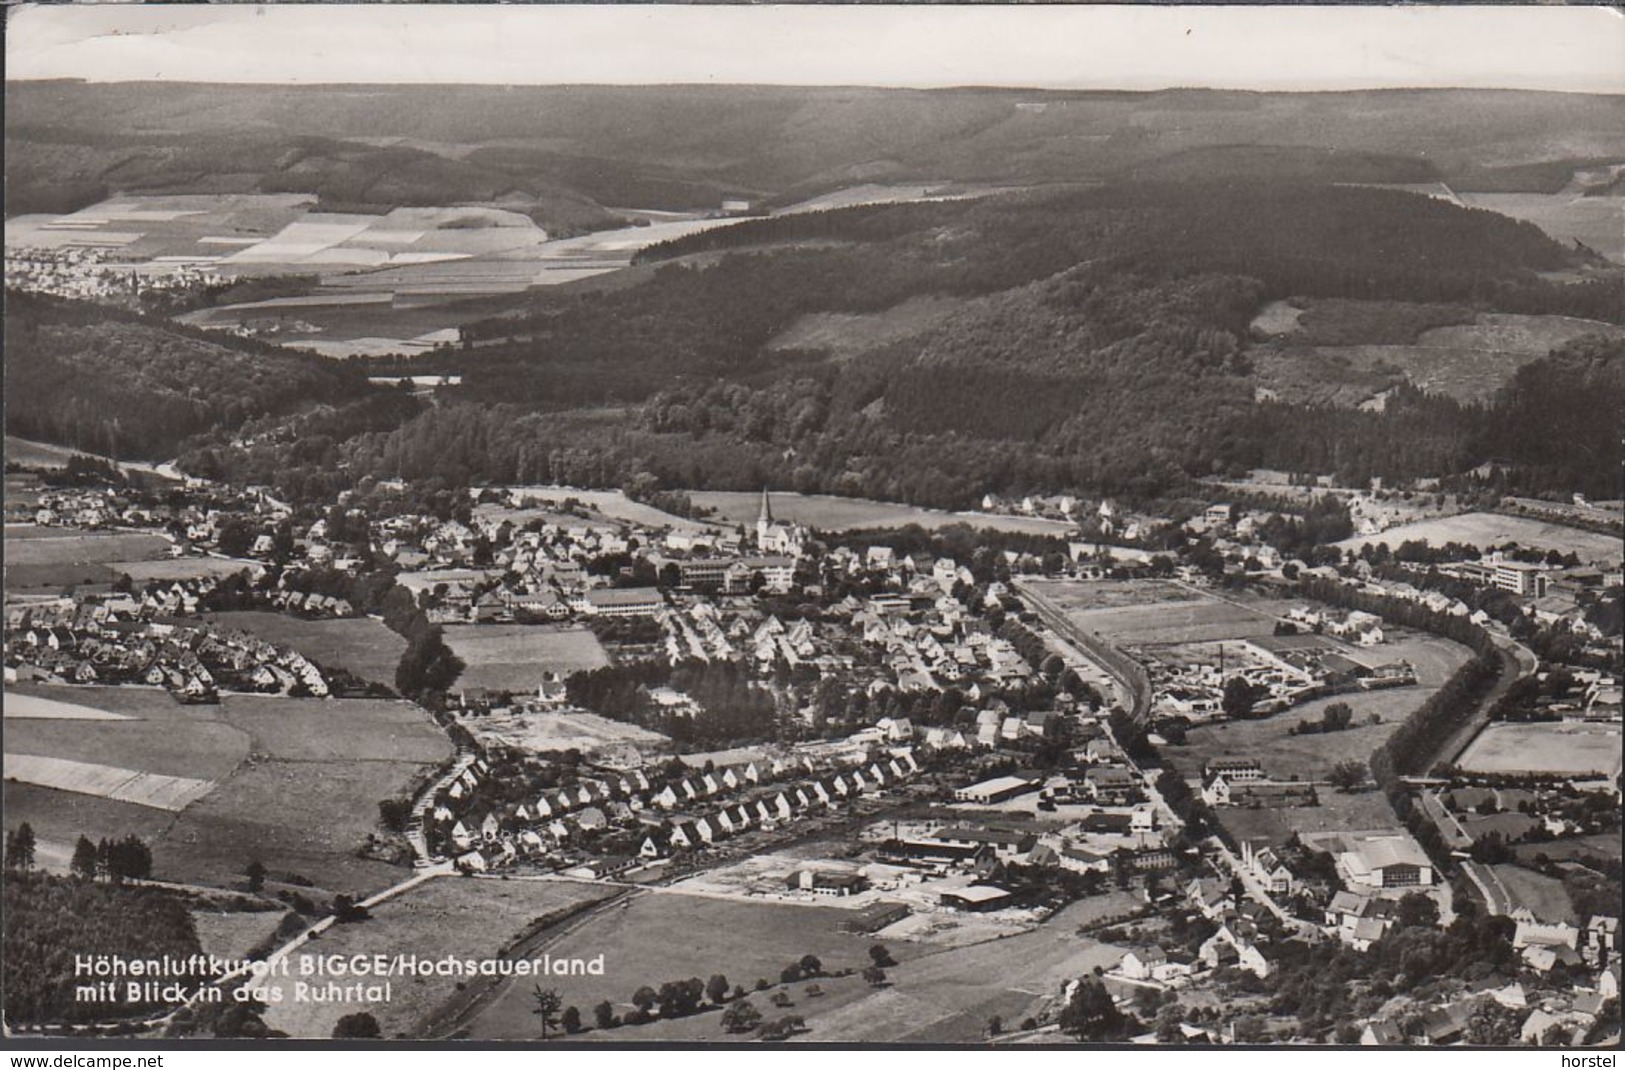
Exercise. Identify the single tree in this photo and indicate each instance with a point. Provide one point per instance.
(84, 859)
(255, 872)
(811, 966)
(880, 956)
(716, 989)
(548, 1004)
(358, 1026)
(1348, 775)
(20, 848)
(875, 976)
(741, 1017)
(604, 1015)
(571, 1020)
(995, 1026)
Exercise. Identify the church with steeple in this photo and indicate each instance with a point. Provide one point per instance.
(774, 537)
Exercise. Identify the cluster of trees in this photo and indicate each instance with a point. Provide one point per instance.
(113, 860)
(51, 920)
(116, 383)
(733, 708)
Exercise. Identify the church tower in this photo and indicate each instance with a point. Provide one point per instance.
(764, 519)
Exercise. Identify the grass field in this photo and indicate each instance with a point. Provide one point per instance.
(1311, 757)
(828, 513)
(1593, 220)
(336, 730)
(1491, 529)
(32, 707)
(1600, 846)
(1543, 895)
(514, 657)
(296, 782)
(359, 645)
(160, 791)
(666, 936)
(612, 504)
(1553, 749)
(182, 568)
(233, 934)
(847, 334)
(38, 454)
(76, 548)
(560, 731)
(449, 916)
(1196, 621)
(1076, 595)
(301, 817)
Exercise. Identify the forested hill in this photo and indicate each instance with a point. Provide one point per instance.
(1091, 340)
(564, 152)
(94, 378)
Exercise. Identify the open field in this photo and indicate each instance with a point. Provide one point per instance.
(37, 454)
(233, 934)
(1077, 595)
(574, 729)
(612, 504)
(1338, 812)
(1551, 749)
(847, 333)
(295, 782)
(190, 567)
(1196, 621)
(359, 645)
(1311, 757)
(1491, 529)
(662, 936)
(828, 513)
(157, 790)
(59, 557)
(59, 818)
(36, 707)
(514, 657)
(336, 730)
(445, 917)
(64, 547)
(301, 817)
(1567, 218)
(1603, 846)
(1544, 896)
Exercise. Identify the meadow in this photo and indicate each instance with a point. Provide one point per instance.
(1196, 621)
(1492, 529)
(448, 916)
(295, 782)
(505, 657)
(359, 645)
(1545, 749)
(829, 513)
(664, 936)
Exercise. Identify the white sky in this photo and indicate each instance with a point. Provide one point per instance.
(1561, 48)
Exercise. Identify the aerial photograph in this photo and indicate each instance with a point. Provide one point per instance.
(697, 526)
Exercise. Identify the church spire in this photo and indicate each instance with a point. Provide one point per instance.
(765, 516)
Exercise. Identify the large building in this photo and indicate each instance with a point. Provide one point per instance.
(1385, 861)
(1521, 578)
(624, 601)
(996, 790)
(775, 537)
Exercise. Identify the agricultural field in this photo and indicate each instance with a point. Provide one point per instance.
(828, 513)
(1545, 749)
(296, 781)
(661, 936)
(611, 504)
(1580, 847)
(233, 934)
(359, 645)
(514, 657)
(1514, 886)
(1567, 218)
(37, 707)
(444, 917)
(1492, 529)
(335, 730)
(1199, 620)
(302, 818)
(63, 547)
(577, 730)
(1077, 595)
(183, 568)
